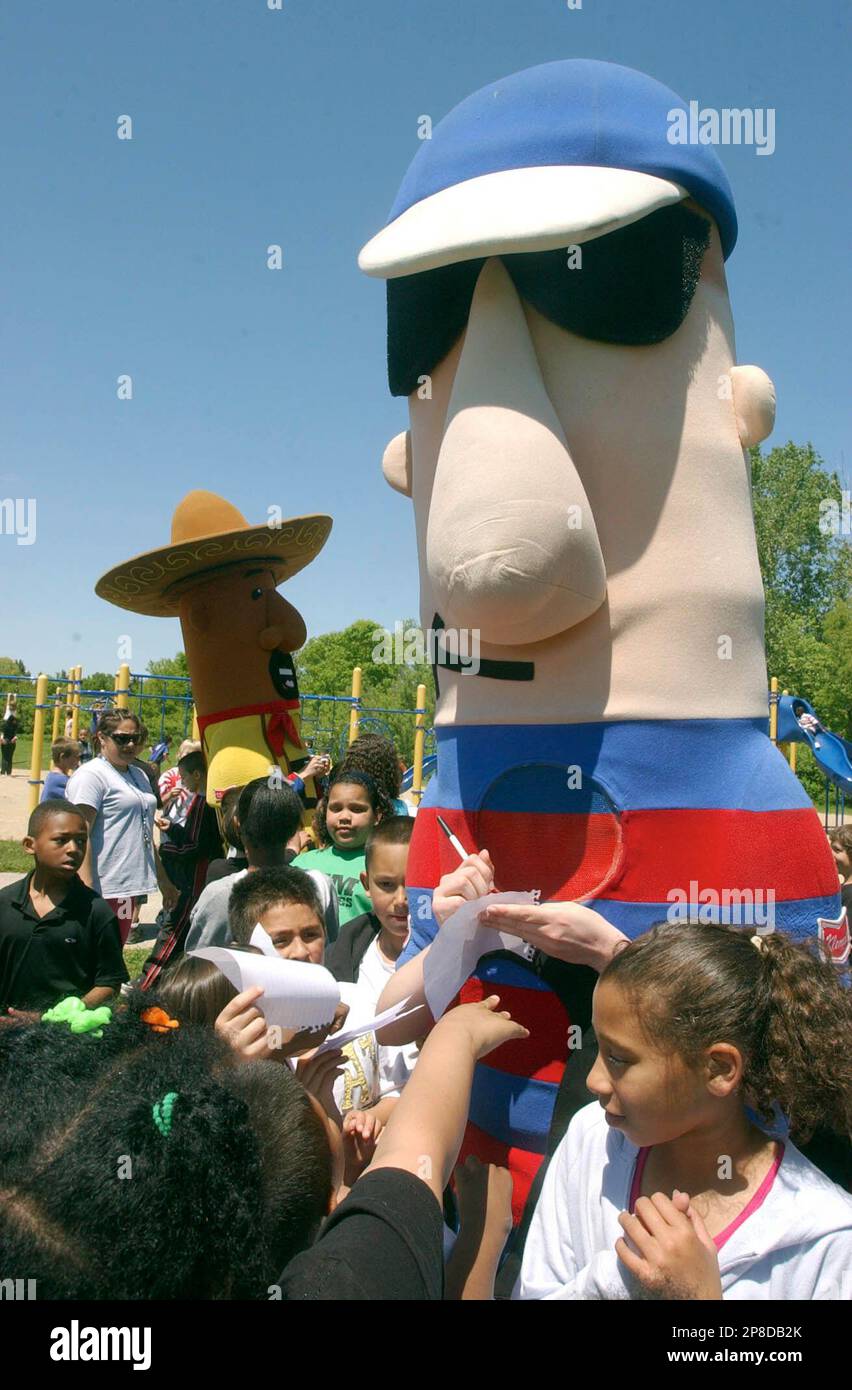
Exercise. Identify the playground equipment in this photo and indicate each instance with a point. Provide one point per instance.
(832, 754)
(72, 696)
(137, 691)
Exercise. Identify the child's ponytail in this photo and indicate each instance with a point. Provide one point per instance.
(779, 1002)
(804, 1061)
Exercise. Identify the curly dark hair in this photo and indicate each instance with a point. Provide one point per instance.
(347, 772)
(376, 755)
(214, 1208)
(782, 1005)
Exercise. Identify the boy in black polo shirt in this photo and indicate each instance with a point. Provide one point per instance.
(57, 937)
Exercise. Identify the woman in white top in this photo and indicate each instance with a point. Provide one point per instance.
(116, 800)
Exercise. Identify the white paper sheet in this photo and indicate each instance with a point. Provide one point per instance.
(335, 1040)
(460, 944)
(296, 994)
(263, 941)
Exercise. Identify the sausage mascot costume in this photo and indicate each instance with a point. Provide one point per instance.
(559, 320)
(220, 575)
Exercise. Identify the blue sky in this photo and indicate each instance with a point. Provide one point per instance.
(253, 127)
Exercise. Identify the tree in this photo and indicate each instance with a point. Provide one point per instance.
(164, 706)
(98, 680)
(806, 563)
(324, 667)
(12, 666)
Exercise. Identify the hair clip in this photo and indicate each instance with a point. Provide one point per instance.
(759, 942)
(79, 1018)
(158, 1020)
(162, 1113)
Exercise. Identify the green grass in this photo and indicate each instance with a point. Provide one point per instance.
(135, 957)
(24, 751)
(14, 858)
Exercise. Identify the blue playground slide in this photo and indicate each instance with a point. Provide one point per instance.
(429, 765)
(832, 753)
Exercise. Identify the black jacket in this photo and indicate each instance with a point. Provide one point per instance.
(343, 958)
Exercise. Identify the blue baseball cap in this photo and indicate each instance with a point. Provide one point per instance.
(551, 156)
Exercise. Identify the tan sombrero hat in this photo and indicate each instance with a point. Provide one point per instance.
(209, 533)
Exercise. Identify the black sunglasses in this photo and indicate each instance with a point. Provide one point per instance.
(124, 740)
(632, 287)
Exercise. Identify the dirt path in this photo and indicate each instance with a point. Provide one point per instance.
(13, 804)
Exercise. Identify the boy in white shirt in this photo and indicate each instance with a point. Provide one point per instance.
(368, 947)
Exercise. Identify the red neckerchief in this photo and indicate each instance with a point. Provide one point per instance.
(278, 727)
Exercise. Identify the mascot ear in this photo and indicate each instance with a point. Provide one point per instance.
(396, 463)
(754, 404)
(197, 612)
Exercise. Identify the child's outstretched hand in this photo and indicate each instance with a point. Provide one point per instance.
(670, 1251)
(484, 1024)
(473, 878)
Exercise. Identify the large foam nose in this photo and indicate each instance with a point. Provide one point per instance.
(511, 543)
(285, 626)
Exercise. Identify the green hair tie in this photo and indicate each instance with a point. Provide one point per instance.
(162, 1112)
(73, 1011)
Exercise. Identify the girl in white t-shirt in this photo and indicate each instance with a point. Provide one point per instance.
(666, 1186)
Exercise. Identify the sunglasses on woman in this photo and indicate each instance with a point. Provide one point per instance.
(124, 740)
(632, 287)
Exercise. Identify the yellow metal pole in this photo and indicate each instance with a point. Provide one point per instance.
(196, 733)
(75, 701)
(57, 710)
(38, 736)
(122, 684)
(354, 712)
(115, 682)
(419, 739)
(773, 709)
(69, 693)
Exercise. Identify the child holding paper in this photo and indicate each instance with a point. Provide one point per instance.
(283, 901)
(265, 1172)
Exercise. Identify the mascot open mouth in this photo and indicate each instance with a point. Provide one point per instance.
(282, 673)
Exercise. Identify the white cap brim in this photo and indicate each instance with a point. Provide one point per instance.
(514, 210)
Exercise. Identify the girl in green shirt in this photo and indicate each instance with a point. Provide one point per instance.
(352, 805)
